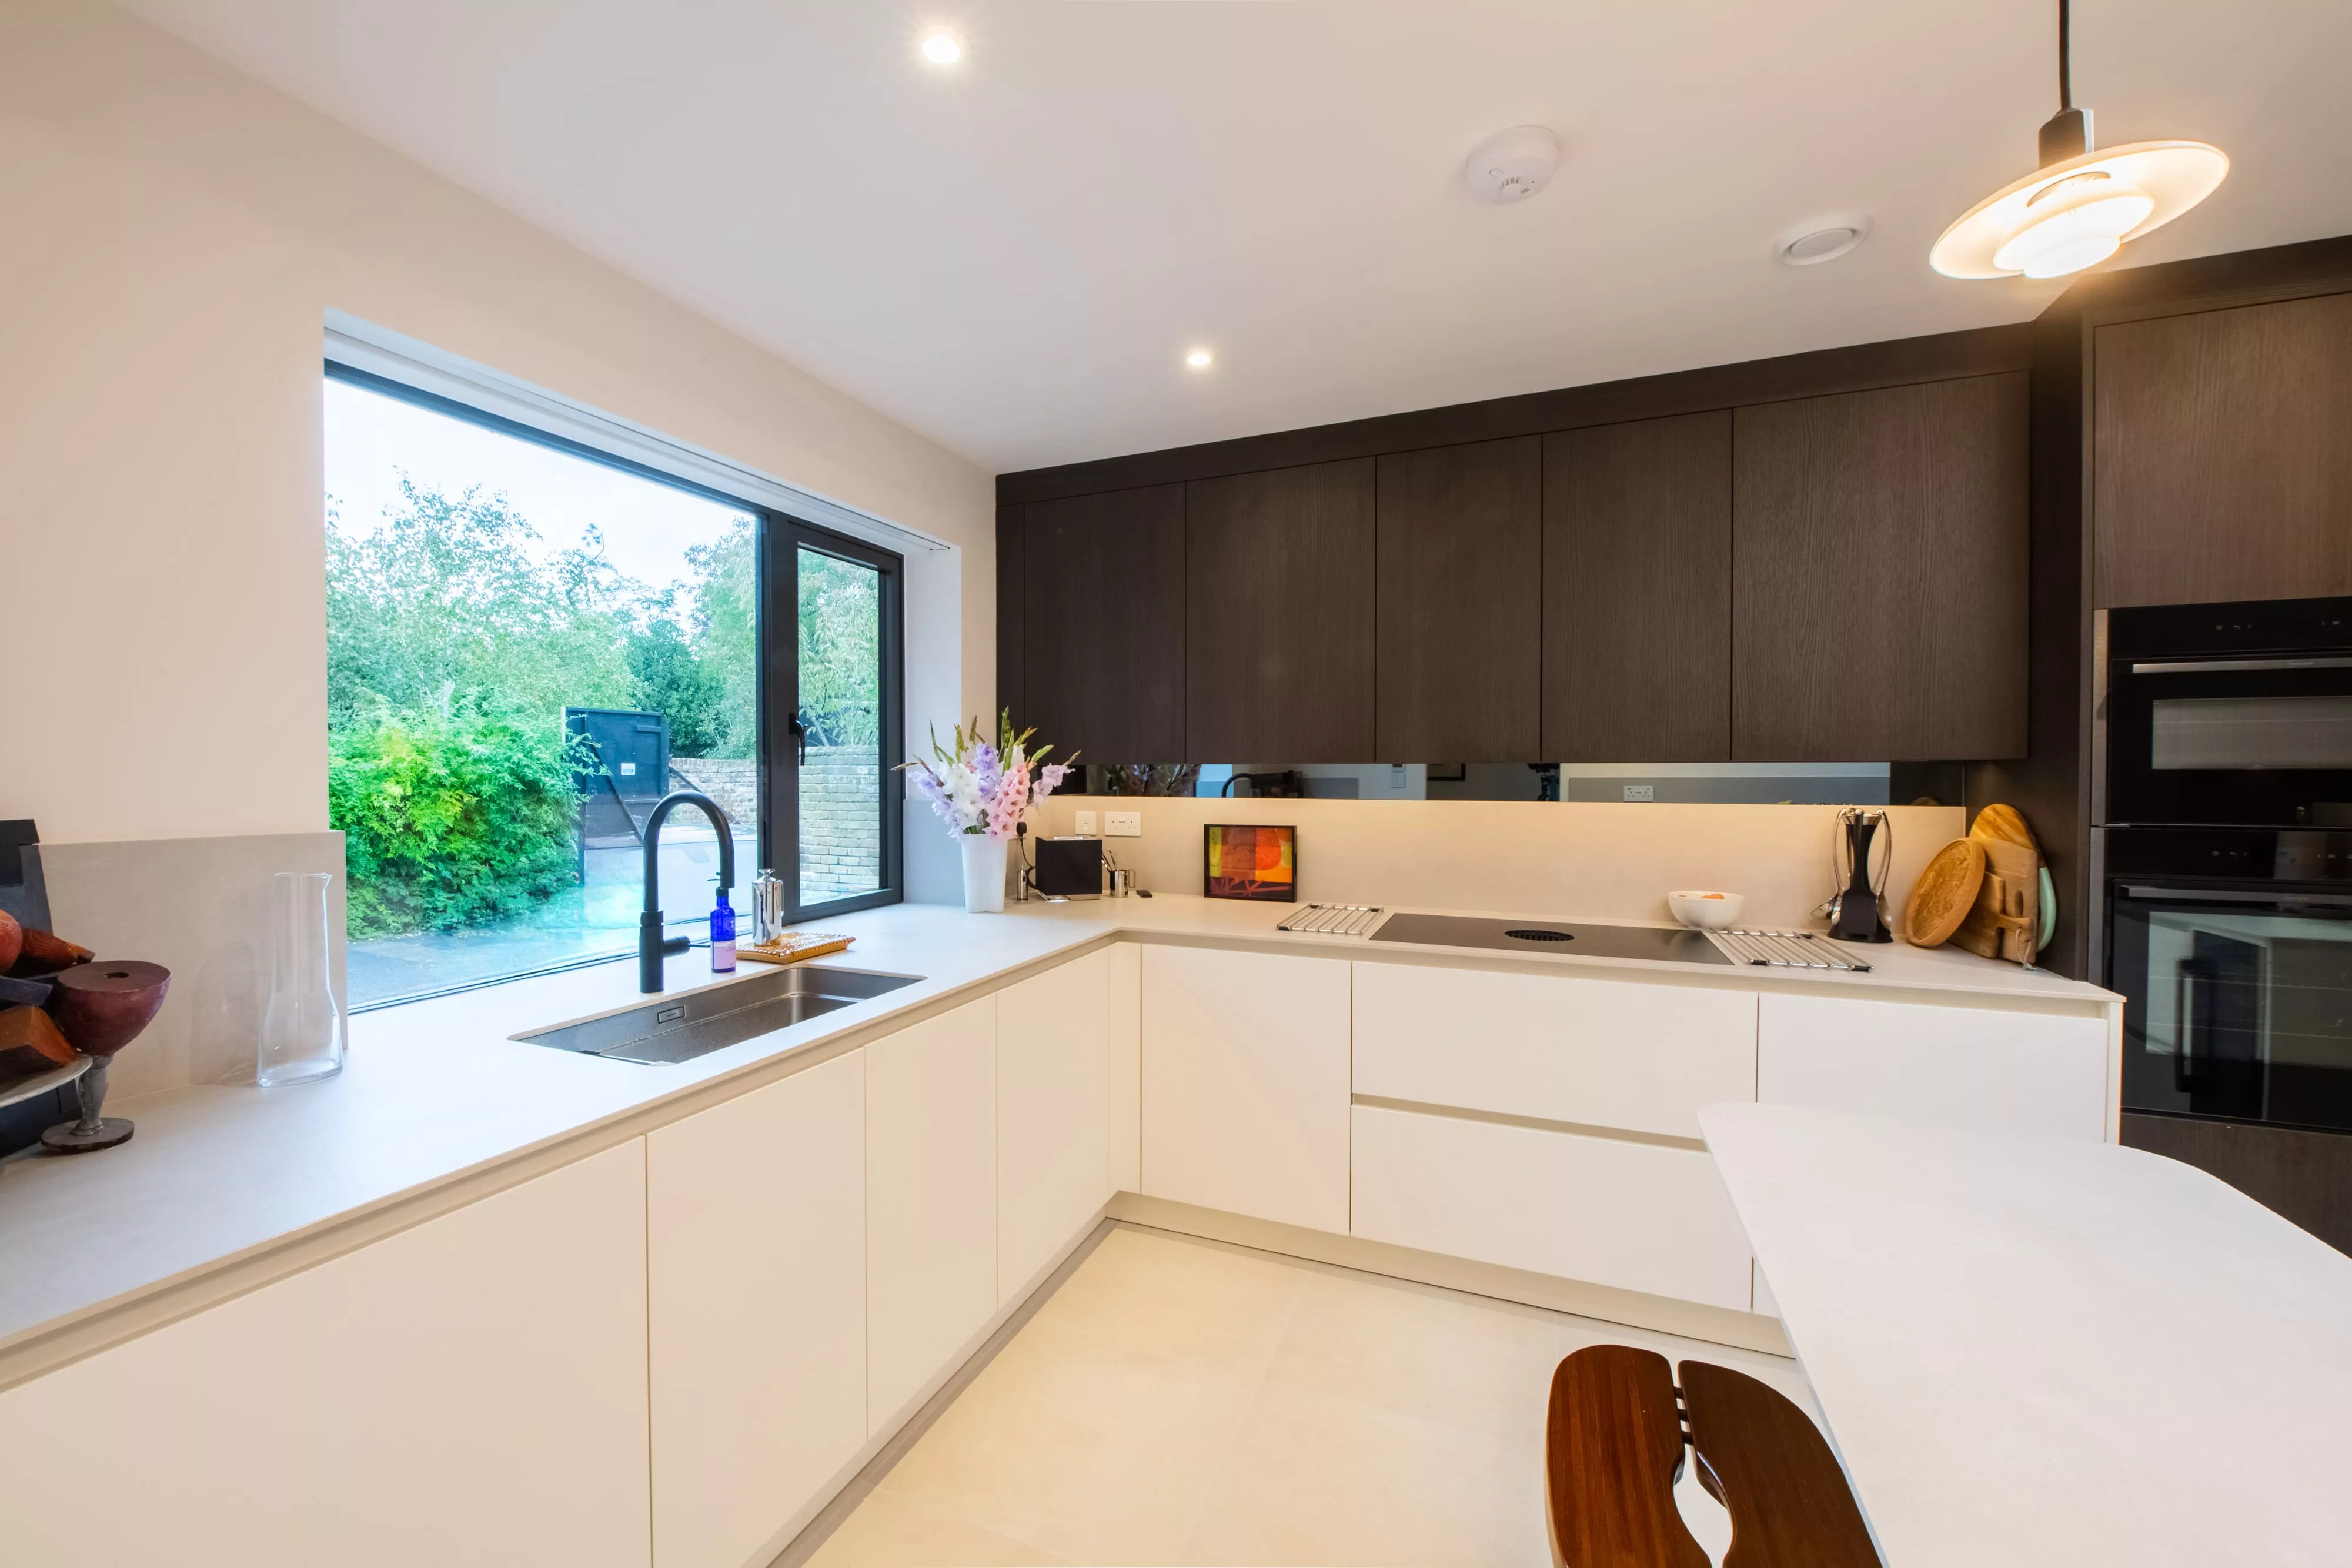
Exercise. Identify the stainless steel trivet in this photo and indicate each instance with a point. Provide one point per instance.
(1787, 950)
(1334, 919)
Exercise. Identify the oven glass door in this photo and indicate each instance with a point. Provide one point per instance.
(2238, 1003)
(2252, 742)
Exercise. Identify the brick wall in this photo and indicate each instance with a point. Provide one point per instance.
(841, 830)
(733, 782)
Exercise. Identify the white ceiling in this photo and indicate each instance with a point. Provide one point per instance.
(1012, 256)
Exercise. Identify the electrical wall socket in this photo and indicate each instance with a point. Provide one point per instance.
(1085, 823)
(1122, 824)
(1640, 791)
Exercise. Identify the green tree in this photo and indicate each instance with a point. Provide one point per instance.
(726, 632)
(452, 594)
(673, 680)
(840, 642)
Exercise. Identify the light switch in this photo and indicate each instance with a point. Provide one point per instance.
(1083, 824)
(1122, 824)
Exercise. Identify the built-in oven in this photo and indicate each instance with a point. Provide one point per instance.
(2230, 714)
(2233, 951)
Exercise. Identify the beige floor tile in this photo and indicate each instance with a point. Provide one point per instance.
(1180, 1302)
(891, 1531)
(1481, 1366)
(1178, 1400)
(1090, 1448)
(1314, 1478)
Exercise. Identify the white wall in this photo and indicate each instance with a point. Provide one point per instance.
(174, 236)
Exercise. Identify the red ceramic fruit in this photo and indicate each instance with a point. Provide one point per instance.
(101, 1007)
(12, 941)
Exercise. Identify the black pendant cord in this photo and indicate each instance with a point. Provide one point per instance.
(2066, 56)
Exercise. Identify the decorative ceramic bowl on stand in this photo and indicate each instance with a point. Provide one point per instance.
(101, 1007)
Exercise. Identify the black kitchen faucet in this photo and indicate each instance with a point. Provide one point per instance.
(652, 946)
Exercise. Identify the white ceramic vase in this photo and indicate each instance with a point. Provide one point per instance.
(983, 873)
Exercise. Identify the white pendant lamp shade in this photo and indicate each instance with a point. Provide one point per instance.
(2082, 204)
(2077, 213)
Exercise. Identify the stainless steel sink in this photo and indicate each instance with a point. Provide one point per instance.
(679, 1029)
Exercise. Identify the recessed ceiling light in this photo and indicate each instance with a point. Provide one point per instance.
(941, 50)
(1199, 359)
(2081, 205)
(1818, 240)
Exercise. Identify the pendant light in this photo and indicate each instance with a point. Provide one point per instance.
(2079, 207)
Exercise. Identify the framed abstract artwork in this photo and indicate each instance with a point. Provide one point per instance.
(1250, 862)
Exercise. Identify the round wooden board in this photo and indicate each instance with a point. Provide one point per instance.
(1944, 895)
(2003, 825)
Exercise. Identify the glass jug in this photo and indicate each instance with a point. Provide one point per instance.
(302, 1032)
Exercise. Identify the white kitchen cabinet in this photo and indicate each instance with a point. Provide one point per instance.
(1604, 1054)
(1126, 1080)
(930, 1200)
(1610, 1211)
(1052, 1103)
(1246, 1083)
(1953, 1066)
(471, 1391)
(756, 1250)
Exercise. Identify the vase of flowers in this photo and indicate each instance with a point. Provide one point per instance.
(982, 791)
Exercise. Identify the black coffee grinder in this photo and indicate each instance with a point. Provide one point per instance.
(1858, 914)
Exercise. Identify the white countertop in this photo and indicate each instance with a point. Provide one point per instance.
(436, 1092)
(2035, 1351)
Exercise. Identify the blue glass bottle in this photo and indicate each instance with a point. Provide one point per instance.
(722, 936)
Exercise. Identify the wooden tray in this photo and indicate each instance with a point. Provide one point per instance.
(792, 946)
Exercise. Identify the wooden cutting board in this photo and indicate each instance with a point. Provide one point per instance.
(1944, 894)
(2005, 920)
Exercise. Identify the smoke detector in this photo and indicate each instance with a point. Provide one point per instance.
(1512, 165)
(1821, 239)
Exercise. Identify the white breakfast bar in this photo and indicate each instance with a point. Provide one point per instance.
(2034, 1351)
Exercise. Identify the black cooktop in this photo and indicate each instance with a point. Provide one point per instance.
(1551, 936)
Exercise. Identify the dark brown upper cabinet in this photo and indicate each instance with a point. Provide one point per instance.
(1103, 624)
(2222, 454)
(1879, 574)
(1279, 615)
(1637, 592)
(1460, 561)
(1010, 533)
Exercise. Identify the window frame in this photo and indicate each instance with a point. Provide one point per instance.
(775, 532)
(782, 538)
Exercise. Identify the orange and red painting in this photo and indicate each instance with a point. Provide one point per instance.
(1257, 863)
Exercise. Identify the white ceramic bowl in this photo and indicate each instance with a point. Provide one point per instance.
(1706, 911)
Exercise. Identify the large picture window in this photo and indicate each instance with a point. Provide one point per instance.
(530, 642)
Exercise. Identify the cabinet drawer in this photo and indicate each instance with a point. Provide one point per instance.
(1966, 1067)
(1636, 1215)
(1602, 1053)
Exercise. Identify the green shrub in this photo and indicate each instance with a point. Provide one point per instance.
(452, 816)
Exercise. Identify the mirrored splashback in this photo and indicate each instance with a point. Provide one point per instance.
(1689, 783)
